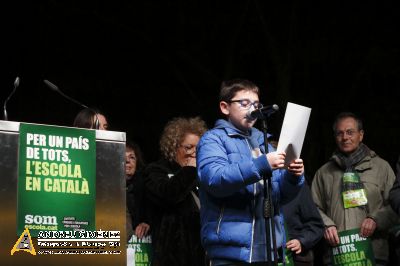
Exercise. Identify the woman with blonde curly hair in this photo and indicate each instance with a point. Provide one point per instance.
(171, 193)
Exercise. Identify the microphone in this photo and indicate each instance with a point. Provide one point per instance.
(262, 113)
(16, 84)
(56, 89)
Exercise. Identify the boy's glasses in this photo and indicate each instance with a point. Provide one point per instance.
(246, 103)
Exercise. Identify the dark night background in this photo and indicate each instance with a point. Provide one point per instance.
(143, 63)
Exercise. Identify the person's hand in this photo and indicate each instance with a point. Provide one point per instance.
(141, 230)
(276, 159)
(191, 161)
(294, 245)
(368, 227)
(296, 167)
(331, 236)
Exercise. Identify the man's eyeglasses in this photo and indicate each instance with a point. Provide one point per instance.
(189, 149)
(246, 103)
(349, 132)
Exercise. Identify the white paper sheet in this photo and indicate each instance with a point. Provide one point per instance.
(293, 131)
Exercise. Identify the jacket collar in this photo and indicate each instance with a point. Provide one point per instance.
(231, 130)
(253, 136)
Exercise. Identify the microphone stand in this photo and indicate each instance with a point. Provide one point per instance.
(16, 84)
(56, 89)
(268, 206)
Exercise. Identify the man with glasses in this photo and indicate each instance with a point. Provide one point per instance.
(231, 163)
(352, 189)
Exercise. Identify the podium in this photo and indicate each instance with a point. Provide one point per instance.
(110, 206)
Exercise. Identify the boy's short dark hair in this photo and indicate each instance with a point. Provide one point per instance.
(230, 87)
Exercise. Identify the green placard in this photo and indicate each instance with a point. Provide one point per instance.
(353, 250)
(288, 253)
(56, 179)
(139, 252)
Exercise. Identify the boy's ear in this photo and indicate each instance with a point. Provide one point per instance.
(224, 106)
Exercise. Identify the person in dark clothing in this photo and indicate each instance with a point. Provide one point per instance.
(394, 198)
(136, 206)
(305, 227)
(394, 195)
(170, 188)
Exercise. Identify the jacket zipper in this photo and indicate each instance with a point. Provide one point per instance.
(221, 214)
(252, 225)
(254, 218)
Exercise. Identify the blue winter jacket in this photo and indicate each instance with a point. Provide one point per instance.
(231, 194)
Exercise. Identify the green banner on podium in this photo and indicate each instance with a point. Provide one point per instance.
(56, 179)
